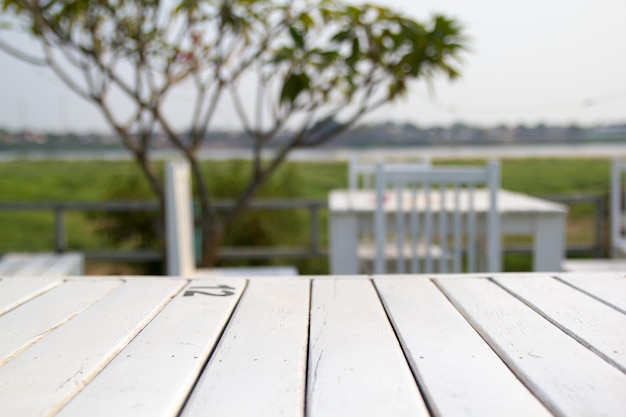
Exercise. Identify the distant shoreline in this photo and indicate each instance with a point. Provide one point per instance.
(512, 151)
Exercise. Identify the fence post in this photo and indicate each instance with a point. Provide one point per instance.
(600, 227)
(314, 229)
(60, 243)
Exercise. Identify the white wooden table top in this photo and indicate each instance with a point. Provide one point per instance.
(508, 201)
(441, 345)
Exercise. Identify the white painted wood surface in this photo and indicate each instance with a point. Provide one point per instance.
(177, 342)
(361, 173)
(594, 265)
(603, 330)
(31, 322)
(10, 262)
(259, 367)
(425, 345)
(608, 288)
(66, 264)
(459, 372)
(180, 259)
(520, 214)
(435, 207)
(42, 264)
(15, 291)
(49, 373)
(569, 378)
(248, 271)
(356, 366)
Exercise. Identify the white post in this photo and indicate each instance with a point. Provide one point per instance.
(615, 209)
(343, 242)
(178, 219)
(494, 237)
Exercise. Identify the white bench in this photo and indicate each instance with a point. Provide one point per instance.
(42, 264)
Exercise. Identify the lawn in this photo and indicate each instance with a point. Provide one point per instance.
(39, 181)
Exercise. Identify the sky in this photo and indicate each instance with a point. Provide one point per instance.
(557, 62)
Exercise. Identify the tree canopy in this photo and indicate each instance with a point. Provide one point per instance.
(315, 67)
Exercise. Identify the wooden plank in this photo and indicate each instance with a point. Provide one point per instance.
(457, 370)
(567, 377)
(608, 287)
(47, 375)
(258, 368)
(153, 375)
(30, 322)
(601, 330)
(65, 264)
(15, 291)
(356, 365)
(248, 272)
(30, 264)
(10, 262)
(594, 266)
(34, 265)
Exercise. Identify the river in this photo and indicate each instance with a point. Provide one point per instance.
(599, 150)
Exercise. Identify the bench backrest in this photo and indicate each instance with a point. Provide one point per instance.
(429, 214)
(361, 173)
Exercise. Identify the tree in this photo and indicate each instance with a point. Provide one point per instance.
(319, 66)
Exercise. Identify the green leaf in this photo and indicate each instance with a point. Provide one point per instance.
(306, 20)
(356, 53)
(327, 14)
(295, 84)
(342, 36)
(282, 54)
(328, 57)
(297, 37)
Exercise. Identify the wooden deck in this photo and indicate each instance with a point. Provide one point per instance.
(478, 345)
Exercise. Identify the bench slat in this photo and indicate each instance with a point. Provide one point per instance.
(30, 322)
(41, 264)
(10, 262)
(258, 367)
(172, 349)
(15, 291)
(602, 329)
(356, 365)
(458, 371)
(611, 288)
(34, 265)
(65, 264)
(45, 376)
(569, 378)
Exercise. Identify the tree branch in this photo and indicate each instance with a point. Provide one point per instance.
(21, 55)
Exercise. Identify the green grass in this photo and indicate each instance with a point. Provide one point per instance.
(91, 181)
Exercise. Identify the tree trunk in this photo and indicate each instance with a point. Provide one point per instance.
(212, 241)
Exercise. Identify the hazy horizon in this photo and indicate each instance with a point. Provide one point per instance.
(557, 63)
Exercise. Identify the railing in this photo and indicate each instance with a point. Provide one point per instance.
(599, 247)
(312, 250)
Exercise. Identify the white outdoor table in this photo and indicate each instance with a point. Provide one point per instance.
(441, 345)
(520, 214)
